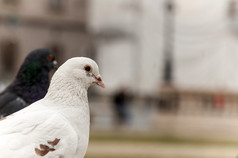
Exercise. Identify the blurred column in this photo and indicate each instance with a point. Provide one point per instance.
(169, 14)
(137, 63)
(233, 15)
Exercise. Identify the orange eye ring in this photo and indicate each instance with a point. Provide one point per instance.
(88, 68)
(49, 57)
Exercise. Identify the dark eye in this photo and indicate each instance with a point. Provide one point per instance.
(49, 57)
(87, 68)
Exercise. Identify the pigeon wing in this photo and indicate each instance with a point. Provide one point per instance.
(10, 103)
(39, 133)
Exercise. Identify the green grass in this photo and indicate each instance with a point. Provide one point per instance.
(153, 138)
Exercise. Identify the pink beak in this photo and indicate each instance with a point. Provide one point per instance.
(100, 82)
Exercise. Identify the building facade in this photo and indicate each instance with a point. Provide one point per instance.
(25, 25)
(134, 37)
(130, 39)
(129, 36)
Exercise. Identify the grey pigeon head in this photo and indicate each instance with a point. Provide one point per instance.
(32, 80)
(30, 84)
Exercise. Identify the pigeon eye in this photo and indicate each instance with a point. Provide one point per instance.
(49, 57)
(88, 68)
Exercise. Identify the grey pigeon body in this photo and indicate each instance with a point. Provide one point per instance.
(30, 84)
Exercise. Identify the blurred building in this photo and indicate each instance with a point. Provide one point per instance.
(25, 25)
(131, 38)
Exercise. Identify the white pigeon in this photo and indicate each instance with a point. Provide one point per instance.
(56, 126)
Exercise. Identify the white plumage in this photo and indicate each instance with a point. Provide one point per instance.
(56, 126)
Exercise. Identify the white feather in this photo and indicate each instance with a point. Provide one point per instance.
(62, 114)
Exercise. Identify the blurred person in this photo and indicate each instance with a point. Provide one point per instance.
(121, 100)
(219, 102)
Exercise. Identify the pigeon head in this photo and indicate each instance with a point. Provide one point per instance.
(83, 69)
(37, 63)
(43, 58)
(32, 80)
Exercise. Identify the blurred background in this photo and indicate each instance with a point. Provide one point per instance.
(170, 68)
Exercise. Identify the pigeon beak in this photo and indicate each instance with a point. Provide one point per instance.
(99, 81)
(55, 64)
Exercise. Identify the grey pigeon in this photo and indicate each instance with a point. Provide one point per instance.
(31, 82)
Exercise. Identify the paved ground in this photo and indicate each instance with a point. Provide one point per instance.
(130, 150)
(208, 128)
(141, 148)
(144, 118)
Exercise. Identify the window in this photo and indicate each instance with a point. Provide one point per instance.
(81, 4)
(233, 8)
(9, 55)
(11, 2)
(57, 5)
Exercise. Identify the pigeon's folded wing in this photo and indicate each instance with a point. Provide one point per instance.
(10, 103)
(45, 134)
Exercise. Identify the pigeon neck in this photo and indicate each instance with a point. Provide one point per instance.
(65, 90)
(31, 86)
